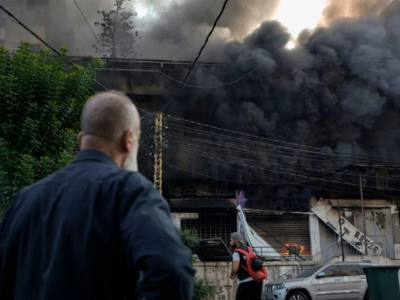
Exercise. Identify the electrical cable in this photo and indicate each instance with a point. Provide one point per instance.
(183, 83)
(253, 159)
(55, 51)
(198, 56)
(257, 175)
(334, 172)
(274, 141)
(90, 27)
(263, 150)
(244, 12)
(247, 164)
(198, 24)
(258, 153)
(300, 170)
(102, 45)
(95, 36)
(312, 171)
(44, 42)
(306, 156)
(220, 179)
(277, 171)
(302, 185)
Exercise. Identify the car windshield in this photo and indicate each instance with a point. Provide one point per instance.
(310, 271)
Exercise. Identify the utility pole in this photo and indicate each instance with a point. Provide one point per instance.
(362, 208)
(158, 137)
(341, 234)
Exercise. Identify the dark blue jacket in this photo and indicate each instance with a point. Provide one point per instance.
(92, 231)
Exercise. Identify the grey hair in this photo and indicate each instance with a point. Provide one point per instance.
(107, 115)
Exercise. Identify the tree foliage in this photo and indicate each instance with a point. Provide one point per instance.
(41, 98)
(203, 289)
(118, 37)
(190, 239)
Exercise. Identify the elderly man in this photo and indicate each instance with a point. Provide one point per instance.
(96, 229)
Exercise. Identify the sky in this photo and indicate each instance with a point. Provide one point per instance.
(166, 25)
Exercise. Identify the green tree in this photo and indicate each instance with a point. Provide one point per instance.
(41, 98)
(118, 37)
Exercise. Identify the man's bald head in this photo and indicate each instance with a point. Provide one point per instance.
(107, 115)
(111, 124)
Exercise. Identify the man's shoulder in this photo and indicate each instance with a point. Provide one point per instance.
(134, 184)
(108, 175)
(135, 179)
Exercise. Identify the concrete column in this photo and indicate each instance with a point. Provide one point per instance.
(396, 224)
(178, 217)
(315, 237)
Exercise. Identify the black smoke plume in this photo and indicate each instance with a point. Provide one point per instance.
(337, 90)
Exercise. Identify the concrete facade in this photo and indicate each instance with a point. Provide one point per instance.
(315, 234)
(382, 225)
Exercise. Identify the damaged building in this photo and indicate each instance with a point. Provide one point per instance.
(307, 133)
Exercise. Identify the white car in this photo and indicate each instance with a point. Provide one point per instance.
(336, 281)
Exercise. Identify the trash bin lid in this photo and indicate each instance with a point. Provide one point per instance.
(382, 267)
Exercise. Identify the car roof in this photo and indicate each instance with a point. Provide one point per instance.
(353, 262)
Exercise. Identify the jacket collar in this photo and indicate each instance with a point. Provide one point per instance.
(93, 155)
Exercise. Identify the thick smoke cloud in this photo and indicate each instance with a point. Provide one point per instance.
(338, 90)
(353, 8)
(165, 24)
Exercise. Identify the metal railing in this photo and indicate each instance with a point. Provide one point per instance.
(332, 251)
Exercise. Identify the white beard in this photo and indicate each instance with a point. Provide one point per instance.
(131, 163)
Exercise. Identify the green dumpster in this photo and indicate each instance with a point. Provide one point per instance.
(383, 282)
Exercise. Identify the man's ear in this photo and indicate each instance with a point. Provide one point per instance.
(79, 138)
(127, 140)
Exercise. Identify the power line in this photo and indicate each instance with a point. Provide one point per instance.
(263, 150)
(84, 17)
(95, 36)
(292, 183)
(231, 144)
(308, 155)
(216, 178)
(44, 42)
(302, 169)
(316, 150)
(244, 12)
(215, 86)
(56, 52)
(242, 153)
(198, 24)
(301, 173)
(257, 175)
(102, 46)
(259, 161)
(177, 50)
(276, 171)
(198, 56)
(183, 83)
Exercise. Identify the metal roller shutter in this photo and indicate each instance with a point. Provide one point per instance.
(283, 232)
